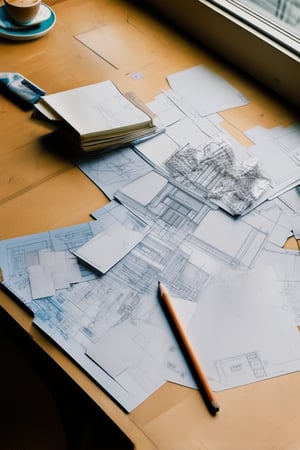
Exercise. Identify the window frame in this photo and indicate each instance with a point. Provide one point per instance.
(260, 20)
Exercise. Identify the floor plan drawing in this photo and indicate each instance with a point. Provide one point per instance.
(227, 270)
(173, 207)
(114, 169)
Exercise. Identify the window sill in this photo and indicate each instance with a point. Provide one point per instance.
(265, 59)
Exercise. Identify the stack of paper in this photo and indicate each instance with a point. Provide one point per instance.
(97, 116)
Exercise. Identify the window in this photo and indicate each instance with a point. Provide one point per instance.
(261, 37)
(284, 13)
(277, 19)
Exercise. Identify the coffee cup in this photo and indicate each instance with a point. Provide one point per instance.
(22, 11)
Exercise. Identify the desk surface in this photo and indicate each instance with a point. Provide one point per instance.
(42, 190)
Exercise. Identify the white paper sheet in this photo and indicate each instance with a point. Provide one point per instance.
(242, 332)
(205, 90)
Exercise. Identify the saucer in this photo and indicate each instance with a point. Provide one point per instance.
(35, 29)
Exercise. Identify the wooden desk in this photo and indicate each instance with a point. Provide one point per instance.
(42, 190)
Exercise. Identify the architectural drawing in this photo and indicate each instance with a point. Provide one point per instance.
(191, 243)
(175, 209)
(212, 169)
(249, 365)
(68, 317)
(113, 170)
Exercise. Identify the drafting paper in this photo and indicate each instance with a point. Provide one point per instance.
(41, 282)
(296, 226)
(56, 264)
(115, 169)
(166, 110)
(291, 198)
(145, 188)
(205, 90)
(241, 332)
(278, 151)
(106, 249)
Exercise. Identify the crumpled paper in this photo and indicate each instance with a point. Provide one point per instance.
(236, 184)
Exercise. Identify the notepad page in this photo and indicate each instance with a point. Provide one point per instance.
(97, 109)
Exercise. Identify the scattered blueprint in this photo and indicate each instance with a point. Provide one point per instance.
(205, 91)
(186, 247)
(112, 170)
(188, 259)
(286, 264)
(120, 236)
(184, 129)
(233, 242)
(278, 150)
(235, 186)
(229, 350)
(111, 323)
(181, 250)
(52, 271)
(204, 159)
(162, 149)
(164, 108)
(200, 242)
(192, 124)
(275, 218)
(266, 169)
(68, 314)
(291, 199)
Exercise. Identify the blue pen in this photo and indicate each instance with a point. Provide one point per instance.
(20, 88)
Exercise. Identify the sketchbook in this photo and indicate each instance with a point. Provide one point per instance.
(96, 116)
